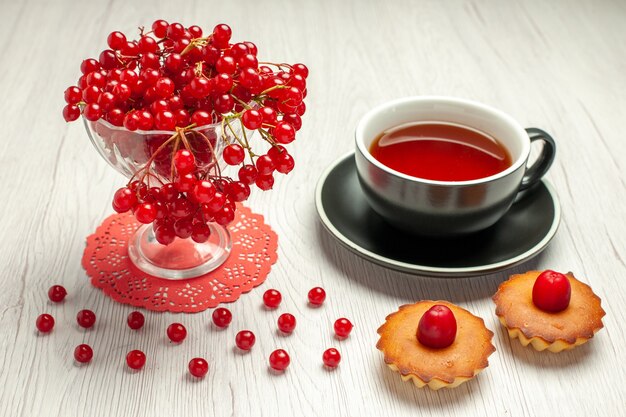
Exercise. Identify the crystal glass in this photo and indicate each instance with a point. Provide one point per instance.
(129, 152)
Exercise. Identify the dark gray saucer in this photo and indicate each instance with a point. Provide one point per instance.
(522, 233)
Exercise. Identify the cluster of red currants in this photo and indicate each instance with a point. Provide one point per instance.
(178, 80)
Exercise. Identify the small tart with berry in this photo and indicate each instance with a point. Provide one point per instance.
(548, 310)
(435, 344)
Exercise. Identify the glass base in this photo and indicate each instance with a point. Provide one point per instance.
(181, 259)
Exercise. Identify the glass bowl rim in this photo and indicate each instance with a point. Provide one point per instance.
(111, 126)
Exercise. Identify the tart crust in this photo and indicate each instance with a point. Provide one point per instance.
(435, 368)
(543, 330)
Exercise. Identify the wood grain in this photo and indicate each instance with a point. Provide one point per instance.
(558, 65)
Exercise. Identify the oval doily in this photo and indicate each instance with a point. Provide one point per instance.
(107, 263)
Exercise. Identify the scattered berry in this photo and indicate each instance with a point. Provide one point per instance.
(222, 317)
(198, 367)
(86, 318)
(176, 332)
(245, 340)
(331, 357)
(317, 296)
(286, 323)
(135, 359)
(279, 360)
(437, 327)
(135, 320)
(343, 327)
(272, 298)
(57, 293)
(83, 353)
(552, 291)
(45, 323)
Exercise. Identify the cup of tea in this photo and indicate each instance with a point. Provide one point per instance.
(443, 166)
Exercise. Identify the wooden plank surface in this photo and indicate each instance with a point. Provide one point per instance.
(558, 65)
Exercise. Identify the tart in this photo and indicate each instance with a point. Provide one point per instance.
(446, 367)
(546, 330)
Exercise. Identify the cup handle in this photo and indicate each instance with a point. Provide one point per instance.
(538, 169)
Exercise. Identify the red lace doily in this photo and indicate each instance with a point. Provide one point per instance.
(106, 262)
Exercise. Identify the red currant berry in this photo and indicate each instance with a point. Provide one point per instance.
(108, 59)
(135, 320)
(89, 65)
(222, 34)
(286, 323)
(222, 317)
(115, 117)
(275, 151)
(91, 94)
(116, 40)
(252, 119)
(57, 293)
(147, 44)
(145, 213)
(265, 165)
(317, 296)
(165, 234)
(159, 28)
(269, 116)
(169, 192)
(293, 119)
(245, 340)
(264, 182)
(131, 121)
(223, 83)
(331, 357)
(195, 31)
(183, 228)
(175, 31)
(44, 323)
(201, 118)
(248, 61)
(238, 191)
(184, 161)
(185, 183)
(92, 112)
(203, 191)
(164, 87)
(284, 132)
(233, 154)
(71, 113)
(343, 327)
(437, 327)
(200, 87)
(284, 163)
(86, 318)
(247, 174)
(225, 215)
(198, 367)
(176, 332)
(224, 103)
(135, 359)
(279, 360)
(83, 353)
(272, 298)
(124, 200)
(73, 95)
(200, 232)
(300, 69)
(181, 207)
(552, 291)
(226, 65)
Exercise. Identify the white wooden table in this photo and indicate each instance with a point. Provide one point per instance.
(558, 65)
